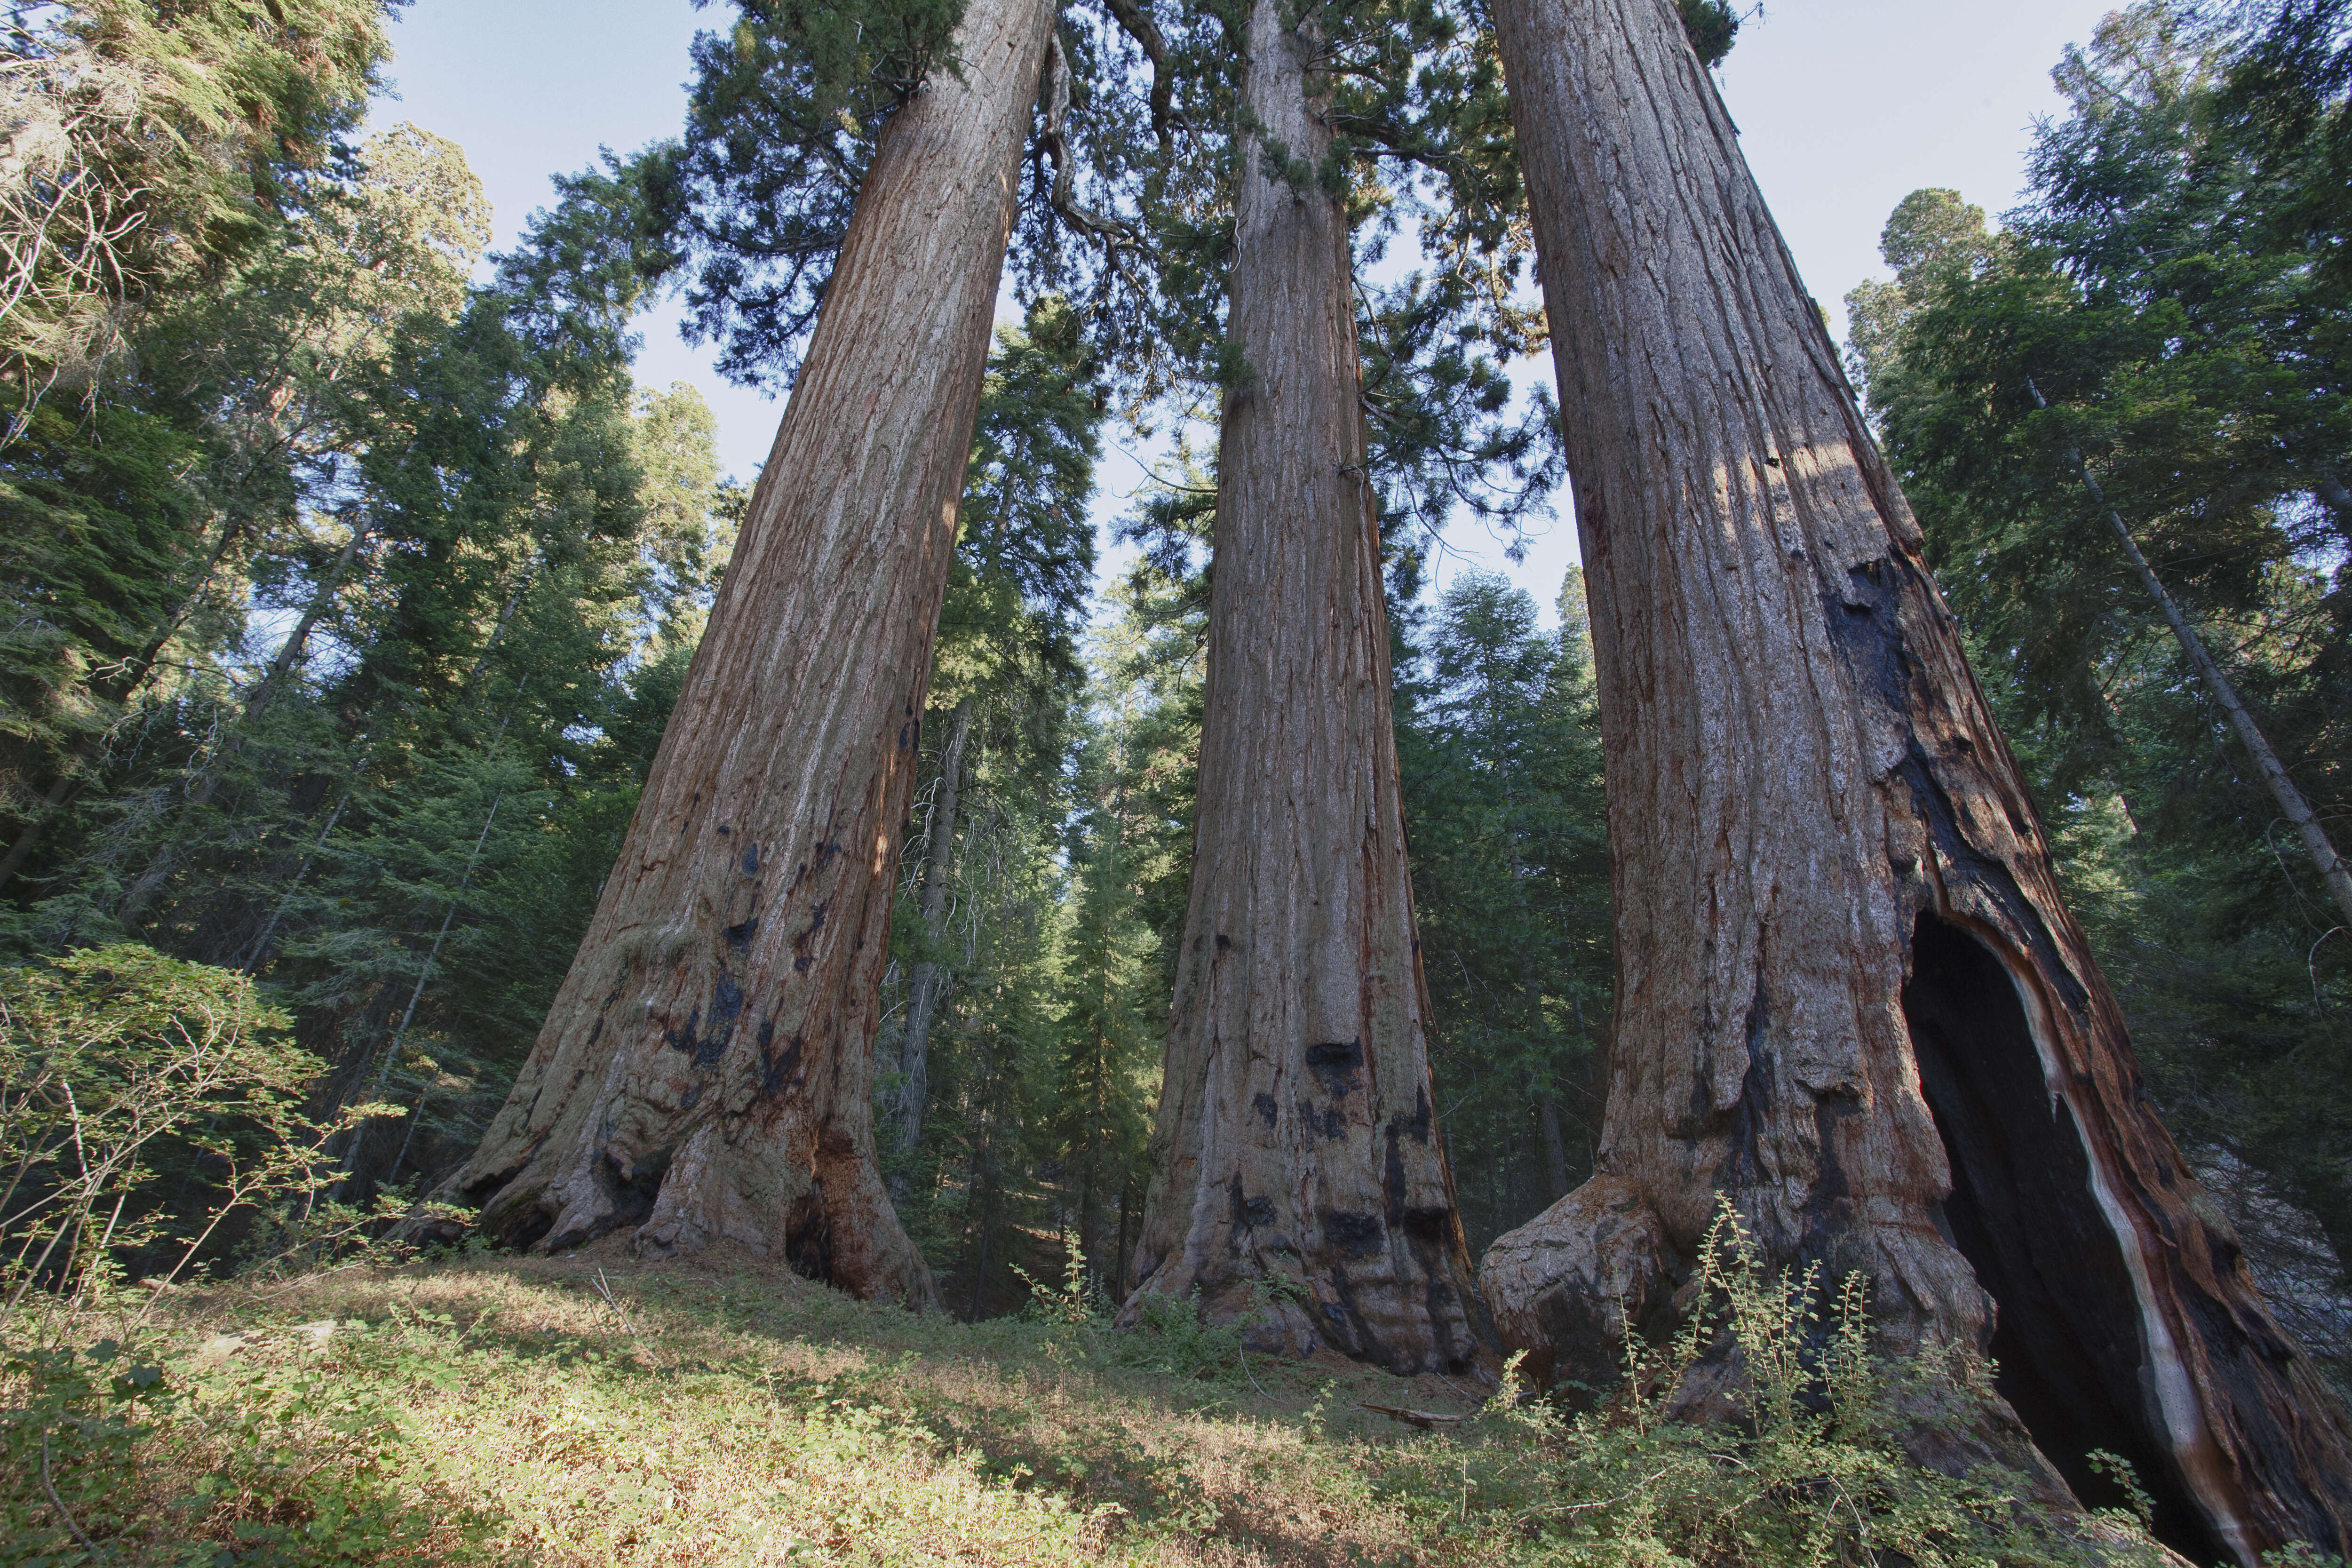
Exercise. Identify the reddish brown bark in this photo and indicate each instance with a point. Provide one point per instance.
(1849, 995)
(706, 1073)
(1299, 1182)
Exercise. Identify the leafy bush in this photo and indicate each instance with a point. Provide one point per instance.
(66, 1437)
(1811, 1470)
(273, 1463)
(142, 1101)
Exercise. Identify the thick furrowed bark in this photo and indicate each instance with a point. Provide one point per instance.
(1849, 995)
(1298, 1180)
(706, 1069)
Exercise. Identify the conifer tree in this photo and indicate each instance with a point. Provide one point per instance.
(2174, 322)
(1296, 1150)
(1849, 995)
(705, 1073)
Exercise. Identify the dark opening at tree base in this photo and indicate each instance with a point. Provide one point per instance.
(2069, 1339)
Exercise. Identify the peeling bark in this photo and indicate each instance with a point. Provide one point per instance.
(1849, 995)
(706, 1073)
(928, 984)
(1299, 1178)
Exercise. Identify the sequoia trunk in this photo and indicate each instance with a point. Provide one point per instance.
(1848, 994)
(706, 1073)
(1298, 1180)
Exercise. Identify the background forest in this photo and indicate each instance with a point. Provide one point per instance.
(347, 579)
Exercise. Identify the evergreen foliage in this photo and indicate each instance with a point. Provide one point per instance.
(148, 141)
(1713, 25)
(786, 106)
(1497, 731)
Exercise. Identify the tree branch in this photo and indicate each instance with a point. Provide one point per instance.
(1137, 25)
(1110, 230)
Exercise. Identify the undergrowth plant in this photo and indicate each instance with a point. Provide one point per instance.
(264, 1461)
(1812, 1471)
(1170, 1334)
(143, 1102)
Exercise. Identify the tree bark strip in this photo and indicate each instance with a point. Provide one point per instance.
(706, 1073)
(1296, 1146)
(1849, 995)
(928, 984)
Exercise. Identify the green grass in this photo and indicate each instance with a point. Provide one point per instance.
(589, 1410)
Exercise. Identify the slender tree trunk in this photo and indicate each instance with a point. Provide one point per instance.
(1296, 1143)
(1849, 996)
(1555, 1144)
(706, 1073)
(928, 984)
(1119, 1258)
(321, 601)
(2218, 685)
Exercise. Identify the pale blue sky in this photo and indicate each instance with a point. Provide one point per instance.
(1844, 107)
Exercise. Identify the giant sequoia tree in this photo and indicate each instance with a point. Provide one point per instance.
(1848, 996)
(1298, 1169)
(704, 1074)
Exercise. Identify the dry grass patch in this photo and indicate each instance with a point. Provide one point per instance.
(589, 1410)
(592, 1410)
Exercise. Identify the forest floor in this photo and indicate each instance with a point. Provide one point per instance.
(592, 1410)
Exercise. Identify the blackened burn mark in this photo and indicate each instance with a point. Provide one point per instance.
(726, 1003)
(1266, 1108)
(751, 860)
(1335, 1064)
(1417, 1129)
(2022, 1212)
(527, 1228)
(1331, 1122)
(1865, 622)
(808, 1243)
(1248, 1213)
(1992, 876)
(738, 937)
(778, 1071)
(803, 945)
(1355, 1234)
